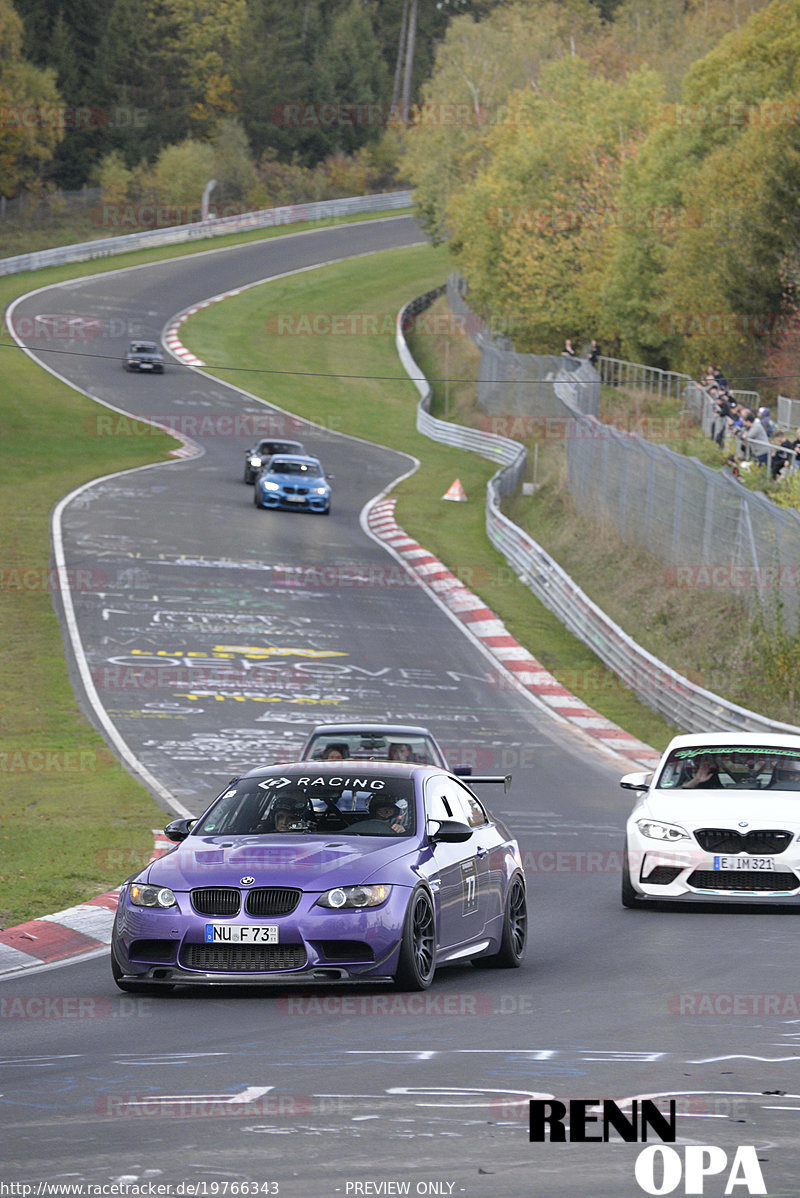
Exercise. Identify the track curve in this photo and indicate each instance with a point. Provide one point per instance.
(352, 1087)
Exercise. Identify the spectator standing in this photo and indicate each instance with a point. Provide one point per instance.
(756, 439)
(594, 353)
(784, 456)
(568, 351)
(766, 420)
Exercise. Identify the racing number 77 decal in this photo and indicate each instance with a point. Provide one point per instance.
(469, 887)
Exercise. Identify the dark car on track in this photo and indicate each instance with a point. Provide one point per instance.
(255, 459)
(335, 872)
(144, 356)
(294, 481)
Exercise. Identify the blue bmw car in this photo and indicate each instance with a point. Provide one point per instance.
(334, 872)
(293, 481)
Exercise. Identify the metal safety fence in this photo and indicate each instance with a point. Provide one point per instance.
(680, 701)
(217, 227)
(531, 385)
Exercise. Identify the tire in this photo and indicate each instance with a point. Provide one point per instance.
(630, 897)
(515, 931)
(134, 987)
(255, 499)
(417, 963)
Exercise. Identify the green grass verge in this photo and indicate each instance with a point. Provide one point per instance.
(70, 816)
(73, 822)
(382, 409)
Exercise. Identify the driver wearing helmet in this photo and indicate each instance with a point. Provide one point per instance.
(385, 818)
(291, 814)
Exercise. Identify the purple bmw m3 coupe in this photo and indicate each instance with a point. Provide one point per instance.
(327, 872)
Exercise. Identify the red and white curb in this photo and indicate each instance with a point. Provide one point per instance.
(483, 624)
(173, 341)
(67, 933)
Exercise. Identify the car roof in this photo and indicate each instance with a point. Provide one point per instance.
(281, 441)
(370, 729)
(742, 740)
(144, 344)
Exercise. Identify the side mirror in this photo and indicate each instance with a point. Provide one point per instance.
(179, 829)
(450, 831)
(636, 781)
(462, 771)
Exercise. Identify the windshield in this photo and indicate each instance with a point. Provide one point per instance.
(280, 467)
(274, 447)
(143, 347)
(344, 804)
(731, 768)
(338, 746)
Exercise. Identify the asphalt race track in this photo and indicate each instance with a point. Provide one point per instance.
(216, 635)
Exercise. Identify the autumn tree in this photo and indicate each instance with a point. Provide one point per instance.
(529, 232)
(32, 117)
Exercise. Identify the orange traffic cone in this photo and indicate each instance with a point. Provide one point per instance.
(456, 492)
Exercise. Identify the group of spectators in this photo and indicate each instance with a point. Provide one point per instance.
(754, 431)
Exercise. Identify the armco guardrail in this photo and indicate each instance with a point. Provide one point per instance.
(680, 701)
(265, 219)
(510, 455)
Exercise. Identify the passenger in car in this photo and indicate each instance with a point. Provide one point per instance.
(785, 775)
(335, 752)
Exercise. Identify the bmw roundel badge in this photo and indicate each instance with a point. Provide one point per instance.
(248, 881)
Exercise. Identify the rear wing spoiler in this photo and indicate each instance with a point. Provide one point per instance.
(497, 779)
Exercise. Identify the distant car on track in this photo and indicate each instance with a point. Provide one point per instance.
(339, 872)
(293, 482)
(256, 458)
(144, 356)
(718, 821)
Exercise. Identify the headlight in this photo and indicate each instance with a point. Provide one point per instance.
(255, 461)
(151, 896)
(658, 831)
(354, 896)
(320, 490)
(270, 486)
